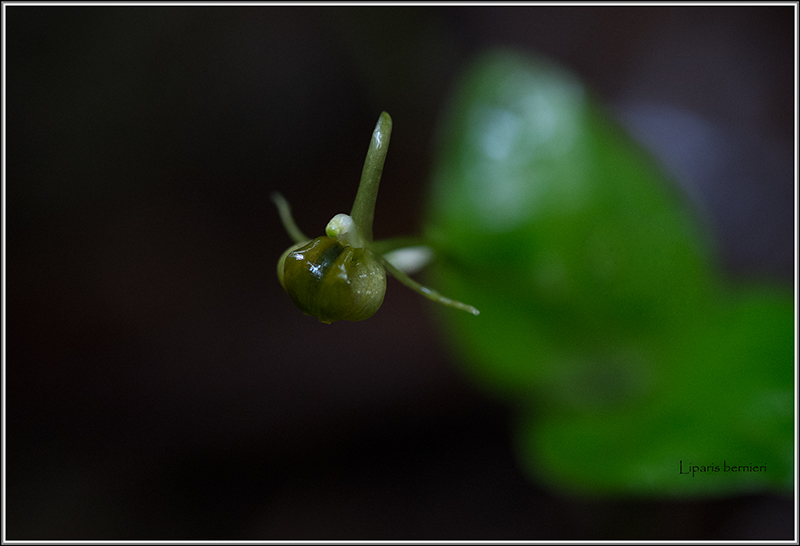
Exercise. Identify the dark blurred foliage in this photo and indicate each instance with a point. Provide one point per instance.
(161, 385)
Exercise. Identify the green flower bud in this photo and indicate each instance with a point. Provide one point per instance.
(332, 281)
(342, 276)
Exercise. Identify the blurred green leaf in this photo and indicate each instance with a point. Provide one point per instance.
(602, 317)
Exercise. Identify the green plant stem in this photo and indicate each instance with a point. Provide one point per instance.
(425, 291)
(364, 205)
(289, 224)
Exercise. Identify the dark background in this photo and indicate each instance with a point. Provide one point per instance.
(161, 385)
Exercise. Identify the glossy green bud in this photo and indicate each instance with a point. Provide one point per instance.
(343, 276)
(332, 281)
